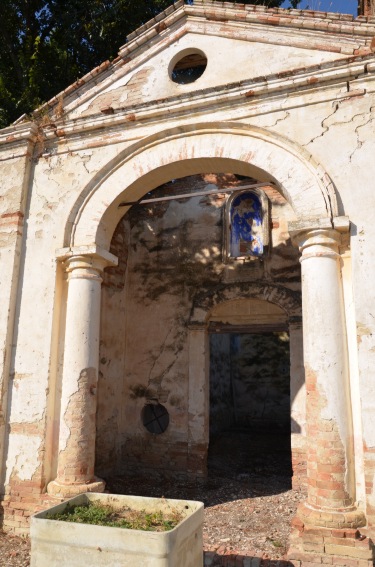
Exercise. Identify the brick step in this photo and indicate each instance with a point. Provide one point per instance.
(212, 559)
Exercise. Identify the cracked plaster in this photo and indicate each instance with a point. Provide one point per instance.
(23, 460)
(311, 130)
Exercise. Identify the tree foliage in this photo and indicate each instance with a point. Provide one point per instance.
(45, 45)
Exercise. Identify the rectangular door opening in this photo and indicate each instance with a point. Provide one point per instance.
(250, 404)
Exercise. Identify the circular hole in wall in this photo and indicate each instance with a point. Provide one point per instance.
(188, 66)
(155, 418)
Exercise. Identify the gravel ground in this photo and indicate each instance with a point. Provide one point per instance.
(248, 498)
(14, 551)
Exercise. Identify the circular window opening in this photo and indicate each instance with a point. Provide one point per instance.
(189, 68)
(155, 418)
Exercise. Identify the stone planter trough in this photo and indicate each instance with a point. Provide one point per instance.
(65, 544)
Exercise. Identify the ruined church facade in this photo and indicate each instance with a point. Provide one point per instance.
(213, 182)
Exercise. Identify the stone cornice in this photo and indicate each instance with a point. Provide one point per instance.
(18, 141)
(247, 94)
(339, 33)
(18, 135)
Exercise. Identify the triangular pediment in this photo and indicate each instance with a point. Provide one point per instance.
(241, 44)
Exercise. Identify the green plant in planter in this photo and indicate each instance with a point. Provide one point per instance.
(99, 515)
(117, 529)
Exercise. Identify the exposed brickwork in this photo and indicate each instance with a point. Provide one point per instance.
(75, 466)
(166, 460)
(325, 529)
(216, 11)
(369, 467)
(21, 500)
(299, 478)
(135, 86)
(366, 8)
(212, 559)
(12, 222)
(126, 95)
(312, 545)
(326, 470)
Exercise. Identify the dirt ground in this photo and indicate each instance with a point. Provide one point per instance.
(248, 499)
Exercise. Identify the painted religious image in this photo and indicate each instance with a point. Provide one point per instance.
(246, 226)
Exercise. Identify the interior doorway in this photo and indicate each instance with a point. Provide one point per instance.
(250, 431)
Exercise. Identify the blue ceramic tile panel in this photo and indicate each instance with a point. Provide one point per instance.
(246, 233)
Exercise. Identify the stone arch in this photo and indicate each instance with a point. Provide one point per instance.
(189, 150)
(288, 300)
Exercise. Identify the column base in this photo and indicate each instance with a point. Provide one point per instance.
(334, 518)
(330, 537)
(59, 489)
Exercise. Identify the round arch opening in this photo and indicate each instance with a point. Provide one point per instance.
(197, 149)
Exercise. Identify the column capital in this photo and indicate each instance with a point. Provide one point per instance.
(340, 224)
(87, 259)
(298, 230)
(319, 238)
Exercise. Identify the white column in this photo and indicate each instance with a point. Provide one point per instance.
(76, 457)
(330, 466)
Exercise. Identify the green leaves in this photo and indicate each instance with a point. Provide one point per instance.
(48, 44)
(99, 515)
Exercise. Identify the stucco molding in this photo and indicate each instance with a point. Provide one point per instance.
(321, 31)
(91, 253)
(293, 83)
(193, 149)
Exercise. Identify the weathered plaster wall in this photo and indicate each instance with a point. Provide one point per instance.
(353, 176)
(169, 252)
(284, 124)
(151, 80)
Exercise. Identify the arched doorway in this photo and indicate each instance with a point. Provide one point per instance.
(171, 266)
(317, 231)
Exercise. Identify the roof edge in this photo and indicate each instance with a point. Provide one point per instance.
(334, 23)
(227, 7)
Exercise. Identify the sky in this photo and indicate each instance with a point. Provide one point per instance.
(342, 6)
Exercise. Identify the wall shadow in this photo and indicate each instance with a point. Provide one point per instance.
(243, 464)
